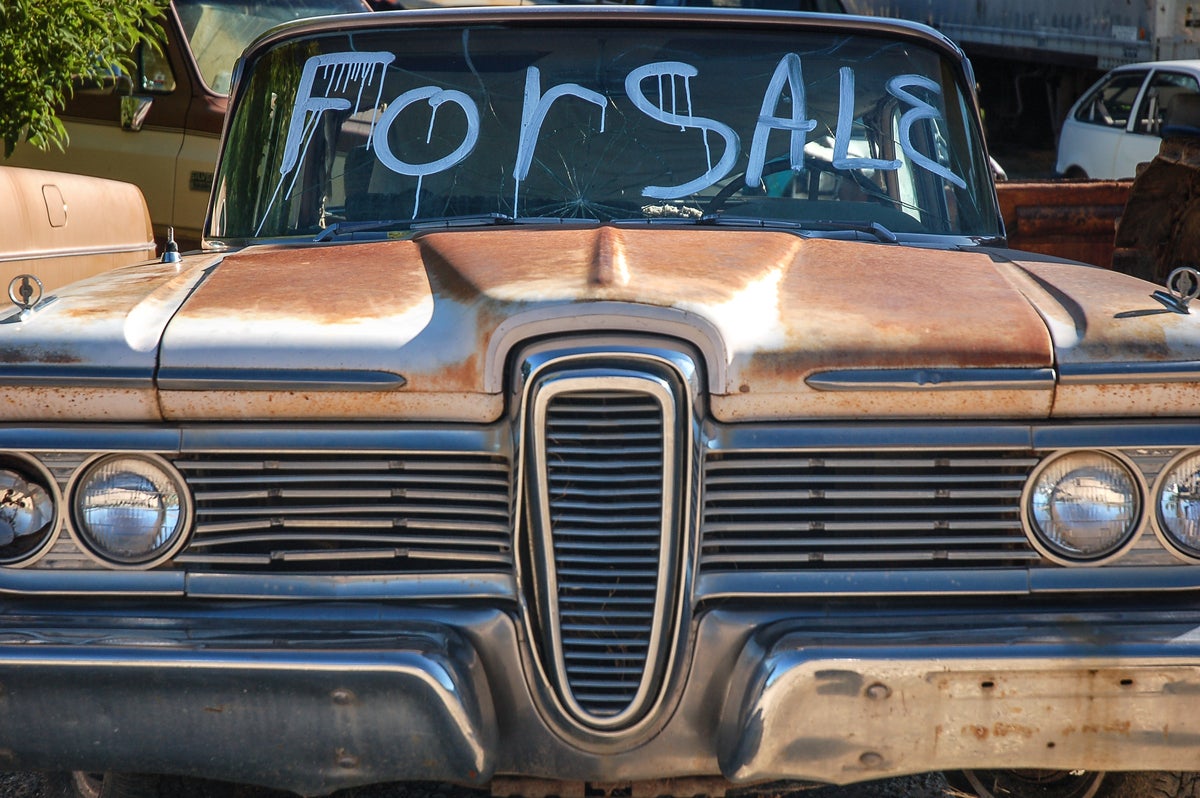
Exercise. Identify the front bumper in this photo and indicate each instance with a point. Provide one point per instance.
(842, 713)
(314, 698)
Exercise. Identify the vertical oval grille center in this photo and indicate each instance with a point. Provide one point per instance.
(603, 488)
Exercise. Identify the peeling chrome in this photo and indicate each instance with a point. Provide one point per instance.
(995, 700)
(966, 379)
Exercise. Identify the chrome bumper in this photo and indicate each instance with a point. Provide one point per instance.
(349, 696)
(843, 715)
(311, 714)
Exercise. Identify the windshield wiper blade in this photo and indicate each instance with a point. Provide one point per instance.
(872, 228)
(466, 220)
(349, 228)
(442, 223)
(485, 219)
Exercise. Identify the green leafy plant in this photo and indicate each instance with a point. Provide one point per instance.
(47, 47)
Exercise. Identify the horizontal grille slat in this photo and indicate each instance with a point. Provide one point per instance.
(395, 513)
(393, 510)
(582, 675)
(607, 614)
(803, 510)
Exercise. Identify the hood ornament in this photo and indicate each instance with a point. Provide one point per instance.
(171, 249)
(1183, 285)
(25, 291)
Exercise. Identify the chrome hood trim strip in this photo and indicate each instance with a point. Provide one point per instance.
(269, 379)
(953, 379)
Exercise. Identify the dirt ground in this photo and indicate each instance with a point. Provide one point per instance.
(32, 785)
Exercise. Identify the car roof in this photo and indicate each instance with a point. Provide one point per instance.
(603, 14)
(1191, 65)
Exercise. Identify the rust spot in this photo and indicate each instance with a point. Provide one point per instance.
(1113, 727)
(1012, 729)
(331, 285)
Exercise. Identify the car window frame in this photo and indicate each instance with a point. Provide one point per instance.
(1144, 97)
(1088, 99)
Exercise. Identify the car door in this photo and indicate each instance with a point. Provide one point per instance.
(1091, 136)
(1141, 143)
(123, 130)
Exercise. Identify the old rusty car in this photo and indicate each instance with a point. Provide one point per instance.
(626, 401)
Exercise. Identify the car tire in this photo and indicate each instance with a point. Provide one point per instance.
(81, 784)
(1073, 784)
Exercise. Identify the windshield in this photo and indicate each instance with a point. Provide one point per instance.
(218, 30)
(596, 122)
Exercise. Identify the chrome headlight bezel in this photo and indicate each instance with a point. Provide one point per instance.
(172, 542)
(32, 470)
(1161, 527)
(1042, 540)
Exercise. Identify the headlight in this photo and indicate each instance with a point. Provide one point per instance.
(28, 509)
(1179, 504)
(1083, 506)
(129, 510)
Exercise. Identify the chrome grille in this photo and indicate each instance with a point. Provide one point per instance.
(802, 510)
(607, 440)
(604, 463)
(349, 513)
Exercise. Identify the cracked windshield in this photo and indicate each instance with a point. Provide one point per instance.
(376, 131)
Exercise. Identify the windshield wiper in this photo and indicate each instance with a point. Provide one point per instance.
(871, 228)
(466, 220)
(441, 223)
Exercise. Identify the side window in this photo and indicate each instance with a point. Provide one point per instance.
(154, 71)
(1162, 92)
(1111, 103)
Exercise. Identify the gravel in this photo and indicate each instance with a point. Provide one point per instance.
(32, 785)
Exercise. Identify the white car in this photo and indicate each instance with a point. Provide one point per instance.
(1117, 123)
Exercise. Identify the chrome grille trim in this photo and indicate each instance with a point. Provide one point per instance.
(569, 448)
(398, 512)
(790, 510)
(607, 441)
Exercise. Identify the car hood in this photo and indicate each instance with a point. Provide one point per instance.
(423, 328)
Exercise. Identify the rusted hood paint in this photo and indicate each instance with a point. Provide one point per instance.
(444, 311)
(1121, 347)
(89, 350)
(786, 327)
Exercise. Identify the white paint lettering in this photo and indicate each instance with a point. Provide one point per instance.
(787, 73)
(533, 114)
(673, 70)
(845, 129)
(436, 97)
(338, 70)
(920, 110)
